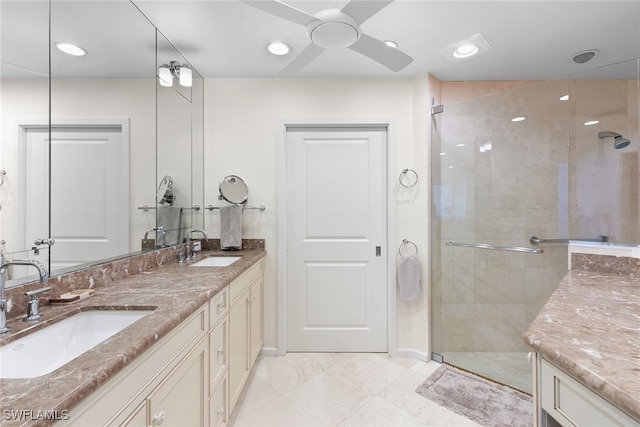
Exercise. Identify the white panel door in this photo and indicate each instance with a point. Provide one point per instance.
(336, 209)
(93, 163)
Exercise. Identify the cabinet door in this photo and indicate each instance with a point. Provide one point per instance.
(256, 325)
(182, 398)
(238, 346)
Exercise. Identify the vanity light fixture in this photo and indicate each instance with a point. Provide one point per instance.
(473, 46)
(278, 48)
(71, 49)
(183, 73)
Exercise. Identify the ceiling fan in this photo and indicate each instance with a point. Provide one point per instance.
(337, 29)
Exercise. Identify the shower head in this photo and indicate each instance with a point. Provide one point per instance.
(618, 140)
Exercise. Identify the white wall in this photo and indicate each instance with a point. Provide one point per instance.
(241, 137)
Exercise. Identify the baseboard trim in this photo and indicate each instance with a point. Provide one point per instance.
(401, 352)
(413, 354)
(269, 351)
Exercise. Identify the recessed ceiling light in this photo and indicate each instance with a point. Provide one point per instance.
(278, 48)
(460, 145)
(473, 46)
(391, 43)
(564, 98)
(591, 122)
(71, 49)
(465, 51)
(518, 119)
(443, 154)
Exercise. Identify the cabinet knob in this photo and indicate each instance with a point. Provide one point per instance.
(221, 306)
(221, 350)
(221, 412)
(158, 419)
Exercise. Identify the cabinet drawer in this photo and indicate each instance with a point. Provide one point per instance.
(245, 279)
(218, 351)
(573, 404)
(218, 306)
(218, 405)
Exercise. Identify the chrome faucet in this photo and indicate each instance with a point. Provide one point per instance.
(159, 229)
(44, 277)
(190, 253)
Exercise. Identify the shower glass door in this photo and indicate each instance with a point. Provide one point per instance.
(497, 181)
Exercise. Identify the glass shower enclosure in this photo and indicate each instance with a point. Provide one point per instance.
(500, 176)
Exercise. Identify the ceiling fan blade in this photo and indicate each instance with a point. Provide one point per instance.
(362, 10)
(377, 50)
(282, 10)
(310, 53)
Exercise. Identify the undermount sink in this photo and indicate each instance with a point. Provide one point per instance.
(47, 349)
(216, 261)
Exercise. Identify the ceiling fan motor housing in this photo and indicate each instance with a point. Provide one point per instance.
(333, 29)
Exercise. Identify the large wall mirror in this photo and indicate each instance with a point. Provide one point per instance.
(24, 118)
(89, 181)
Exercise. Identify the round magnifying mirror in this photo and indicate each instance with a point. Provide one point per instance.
(233, 189)
(164, 194)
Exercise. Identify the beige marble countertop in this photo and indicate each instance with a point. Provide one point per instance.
(590, 328)
(174, 290)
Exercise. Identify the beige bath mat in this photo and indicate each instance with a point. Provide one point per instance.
(485, 402)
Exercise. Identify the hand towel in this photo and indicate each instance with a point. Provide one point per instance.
(230, 227)
(409, 278)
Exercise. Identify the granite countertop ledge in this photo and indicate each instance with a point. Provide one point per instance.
(175, 291)
(590, 328)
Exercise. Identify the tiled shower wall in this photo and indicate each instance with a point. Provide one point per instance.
(604, 184)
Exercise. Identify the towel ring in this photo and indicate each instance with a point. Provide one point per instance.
(406, 242)
(408, 178)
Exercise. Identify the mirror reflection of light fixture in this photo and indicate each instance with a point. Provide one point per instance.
(166, 74)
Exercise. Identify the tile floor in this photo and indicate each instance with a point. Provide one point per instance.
(340, 389)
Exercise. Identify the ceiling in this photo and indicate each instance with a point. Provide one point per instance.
(529, 40)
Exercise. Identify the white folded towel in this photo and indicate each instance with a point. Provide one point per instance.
(409, 278)
(231, 227)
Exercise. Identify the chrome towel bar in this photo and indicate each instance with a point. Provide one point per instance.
(496, 248)
(259, 208)
(535, 240)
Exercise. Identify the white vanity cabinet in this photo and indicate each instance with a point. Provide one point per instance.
(167, 382)
(571, 403)
(245, 328)
(194, 375)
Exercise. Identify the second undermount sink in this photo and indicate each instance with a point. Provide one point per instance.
(47, 349)
(216, 261)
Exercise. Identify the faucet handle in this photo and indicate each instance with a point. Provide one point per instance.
(33, 305)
